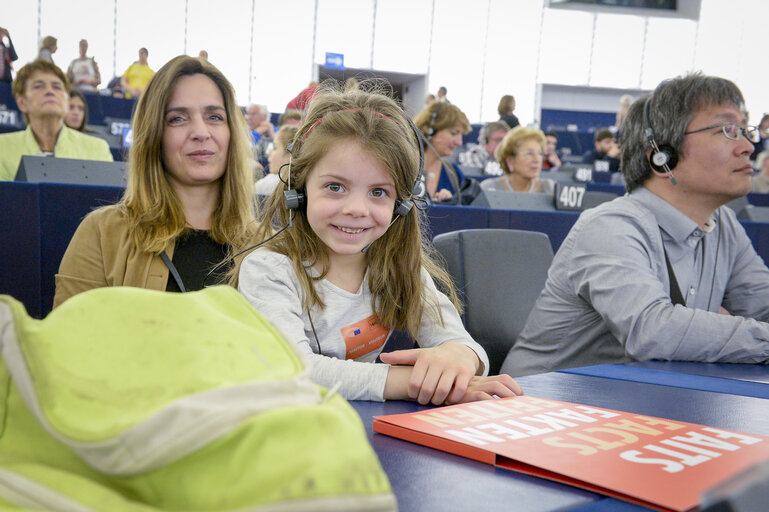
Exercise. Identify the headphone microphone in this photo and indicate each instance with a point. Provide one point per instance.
(664, 157)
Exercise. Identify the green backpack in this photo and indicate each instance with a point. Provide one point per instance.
(126, 399)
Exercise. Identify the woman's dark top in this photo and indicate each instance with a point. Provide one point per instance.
(195, 254)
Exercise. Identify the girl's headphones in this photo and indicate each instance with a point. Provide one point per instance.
(294, 199)
(664, 157)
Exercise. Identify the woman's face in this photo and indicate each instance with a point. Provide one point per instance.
(196, 136)
(527, 162)
(75, 114)
(447, 140)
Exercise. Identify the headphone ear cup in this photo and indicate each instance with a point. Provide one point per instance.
(402, 208)
(666, 155)
(293, 199)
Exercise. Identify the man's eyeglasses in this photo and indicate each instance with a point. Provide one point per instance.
(732, 131)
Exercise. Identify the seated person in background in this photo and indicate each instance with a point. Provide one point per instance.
(302, 99)
(505, 110)
(7, 56)
(624, 104)
(265, 144)
(330, 283)
(277, 157)
(551, 160)
(291, 118)
(665, 272)
(481, 155)
(442, 125)
(189, 199)
(258, 119)
(83, 72)
(137, 76)
(606, 150)
(760, 181)
(520, 155)
(77, 114)
(42, 93)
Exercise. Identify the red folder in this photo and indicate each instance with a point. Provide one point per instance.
(658, 463)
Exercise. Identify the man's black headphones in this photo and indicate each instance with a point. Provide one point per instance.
(430, 127)
(664, 157)
(294, 199)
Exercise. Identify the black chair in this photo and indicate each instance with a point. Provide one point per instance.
(499, 273)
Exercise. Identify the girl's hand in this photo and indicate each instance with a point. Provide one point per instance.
(443, 375)
(484, 388)
(439, 374)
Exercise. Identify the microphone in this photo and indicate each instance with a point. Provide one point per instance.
(227, 260)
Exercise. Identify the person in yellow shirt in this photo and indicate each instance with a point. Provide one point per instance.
(41, 91)
(137, 75)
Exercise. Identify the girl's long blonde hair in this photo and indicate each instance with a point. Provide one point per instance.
(154, 212)
(396, 259)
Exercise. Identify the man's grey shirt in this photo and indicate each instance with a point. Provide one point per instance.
(607, 296)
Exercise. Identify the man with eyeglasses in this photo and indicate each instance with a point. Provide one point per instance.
(665, 272)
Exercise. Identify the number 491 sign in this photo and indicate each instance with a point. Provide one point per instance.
(568, 196)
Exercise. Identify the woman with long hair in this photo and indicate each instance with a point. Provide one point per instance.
(189, 200)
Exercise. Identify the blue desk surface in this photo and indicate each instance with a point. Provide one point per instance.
(737, 379)
(424, 479)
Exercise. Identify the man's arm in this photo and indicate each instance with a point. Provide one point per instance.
(747, 291)
(619, 268)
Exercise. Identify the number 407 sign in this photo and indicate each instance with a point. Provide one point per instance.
(568, 196)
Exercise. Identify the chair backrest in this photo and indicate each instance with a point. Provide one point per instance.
(499, 274)
(503, 200)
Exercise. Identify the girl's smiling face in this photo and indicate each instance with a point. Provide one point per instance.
(350, 199)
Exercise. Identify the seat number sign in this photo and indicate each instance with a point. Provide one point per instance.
(568, 196)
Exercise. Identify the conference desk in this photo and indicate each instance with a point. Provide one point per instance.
(428, 480)
(737, 379)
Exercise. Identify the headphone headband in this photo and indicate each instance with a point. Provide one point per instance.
(431, 127)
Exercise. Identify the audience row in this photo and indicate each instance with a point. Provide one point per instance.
(336, 258)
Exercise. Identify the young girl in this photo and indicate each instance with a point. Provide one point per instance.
(348, 270)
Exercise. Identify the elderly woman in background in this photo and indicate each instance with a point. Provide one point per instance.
(189, 200)
(47, 48)
(520, 154)
(442, 125)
